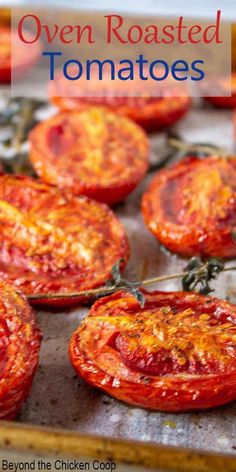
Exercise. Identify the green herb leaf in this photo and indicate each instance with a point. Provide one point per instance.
(198, 274)
(233, 234)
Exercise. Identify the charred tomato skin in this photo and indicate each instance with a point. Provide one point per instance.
(210, 376)
(23, 61)
(20, 341)
(190, 207)
(93, 152)
(54, 242)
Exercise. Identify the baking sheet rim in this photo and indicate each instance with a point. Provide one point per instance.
(55, 442)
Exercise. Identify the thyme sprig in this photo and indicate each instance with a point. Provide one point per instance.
(196, 276)
(17, 118)
(197, 149)
(199, 275)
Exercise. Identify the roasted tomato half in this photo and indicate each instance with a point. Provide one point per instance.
(24, 56)
(222, 85)
(191, 207)
(178, 353)
(150, 112)
(94, 153)
(53, 242)
(19, 350)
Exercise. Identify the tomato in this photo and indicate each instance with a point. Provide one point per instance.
(24, 55)
(5, 16)
(19, 350)
(191, 207)
(222, 85)
(52, 242)
(150, 112)
(95, 153)
(178, 353)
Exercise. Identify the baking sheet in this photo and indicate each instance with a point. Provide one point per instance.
(60, 399)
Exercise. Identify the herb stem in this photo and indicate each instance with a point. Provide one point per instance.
(25, 118)
(180, 145)
(103, 291)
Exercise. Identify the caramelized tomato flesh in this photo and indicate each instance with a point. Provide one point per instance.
(4, 334)
(19, 350)
(173, 341)
(95, 153)
(191, 207)
(175, 354)
(150, 112)
(52, 242)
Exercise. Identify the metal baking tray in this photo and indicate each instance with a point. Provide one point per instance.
(63, 415)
